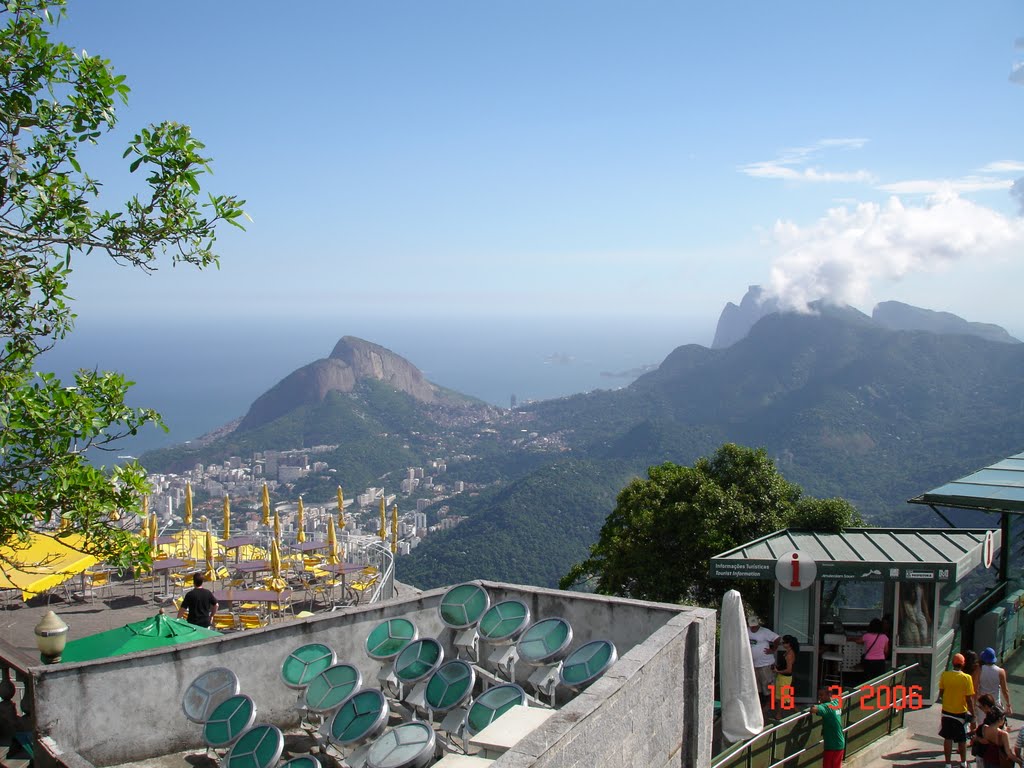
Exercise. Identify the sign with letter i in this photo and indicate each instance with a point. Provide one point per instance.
(795, 570)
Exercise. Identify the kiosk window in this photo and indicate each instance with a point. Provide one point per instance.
(916, 602)
(795, 614)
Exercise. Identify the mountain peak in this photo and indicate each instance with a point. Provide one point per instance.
(352, 360)
(898, 316)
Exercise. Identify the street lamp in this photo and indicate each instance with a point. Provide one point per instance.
(51, 634)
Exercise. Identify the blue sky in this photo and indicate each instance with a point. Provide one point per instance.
(586, 158)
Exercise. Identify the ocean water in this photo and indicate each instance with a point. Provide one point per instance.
(202, 374)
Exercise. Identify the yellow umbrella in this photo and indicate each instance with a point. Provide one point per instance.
(188, 503)
(43, 563)
(227, 517)
(210, 573)
(341, 509)
(383, 532)
(266, 505)
(301, 523)
(332, 542)
(153, 530)
(394, 529)
(277, 526)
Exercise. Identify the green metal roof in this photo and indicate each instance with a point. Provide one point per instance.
(873, 554)
(998, 488)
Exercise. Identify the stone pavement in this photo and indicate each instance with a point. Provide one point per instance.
(919, 746)
(124, 605)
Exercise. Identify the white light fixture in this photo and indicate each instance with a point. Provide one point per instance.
(51, 634)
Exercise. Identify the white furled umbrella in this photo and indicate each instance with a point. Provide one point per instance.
(741, 706)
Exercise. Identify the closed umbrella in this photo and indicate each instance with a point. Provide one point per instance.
(383, 532)
(188, 503)
(277, 526)
(301, 523)
(153, 531)
(394, 529)
(275, 582)
(266, 505)
(145, 507)
(741, 705)
(341, 510)
(210, 573)
(227, 517)
(332, 542)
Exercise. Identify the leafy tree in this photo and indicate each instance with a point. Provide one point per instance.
(658, 541)
(53, 102)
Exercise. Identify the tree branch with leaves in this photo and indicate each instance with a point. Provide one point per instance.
(54, 101)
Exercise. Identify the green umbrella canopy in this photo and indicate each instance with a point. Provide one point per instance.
(144, 635)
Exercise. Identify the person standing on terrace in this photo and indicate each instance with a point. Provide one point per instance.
(199, 606)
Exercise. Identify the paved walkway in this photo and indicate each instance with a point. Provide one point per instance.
(920, 745)
(123, 606)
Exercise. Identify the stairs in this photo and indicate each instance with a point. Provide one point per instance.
(13, 755)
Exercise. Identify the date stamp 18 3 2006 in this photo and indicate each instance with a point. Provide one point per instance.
(868, 697)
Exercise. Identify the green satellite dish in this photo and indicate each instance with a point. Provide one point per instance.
(504, 622)
(545, 642)
(389, 637)
(450, 686)
(492, 704)
(418, 660)
(463, 605)
(260, 747)
(587, 663)
(305, 663)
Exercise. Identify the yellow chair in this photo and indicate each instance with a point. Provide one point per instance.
(366, 582)
(224, 622)
(251, 621)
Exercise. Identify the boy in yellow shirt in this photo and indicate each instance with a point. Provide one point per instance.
(956, 690)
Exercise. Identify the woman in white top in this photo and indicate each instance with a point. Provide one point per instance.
(991, 679)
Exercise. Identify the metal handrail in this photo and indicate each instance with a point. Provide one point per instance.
(790, 722)
(384, 589)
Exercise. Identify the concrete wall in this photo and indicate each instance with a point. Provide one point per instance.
(655, 703)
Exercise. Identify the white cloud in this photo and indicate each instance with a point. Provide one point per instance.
(794, 164)
(842, 255)
(1017, 191)
(938, 186)
(1017, 73)
(1003, 166)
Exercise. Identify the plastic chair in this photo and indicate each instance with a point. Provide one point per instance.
(251, 621)
(224, 622)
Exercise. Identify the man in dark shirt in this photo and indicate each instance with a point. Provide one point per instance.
(199, 604)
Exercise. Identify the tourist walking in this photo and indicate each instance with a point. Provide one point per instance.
(785, 664)
(956, 690)
(829, 708)
(199, 606)
(763, 643)
(990, 678)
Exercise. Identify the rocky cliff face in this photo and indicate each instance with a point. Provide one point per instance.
(735, 322)
(351, 360)
(903, 317)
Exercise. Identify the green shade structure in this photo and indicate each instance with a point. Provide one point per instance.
(144, 635)
(207, 691)
(330, 688)
(260, 747)
(587, 663)
(409, 745)
(418, 660)
(504, 622)
(450, 686)
(463, 605)
(231, 718)
(545, 642)
(362, 717)
(492, 704)
(305, 663)
(389, 637)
